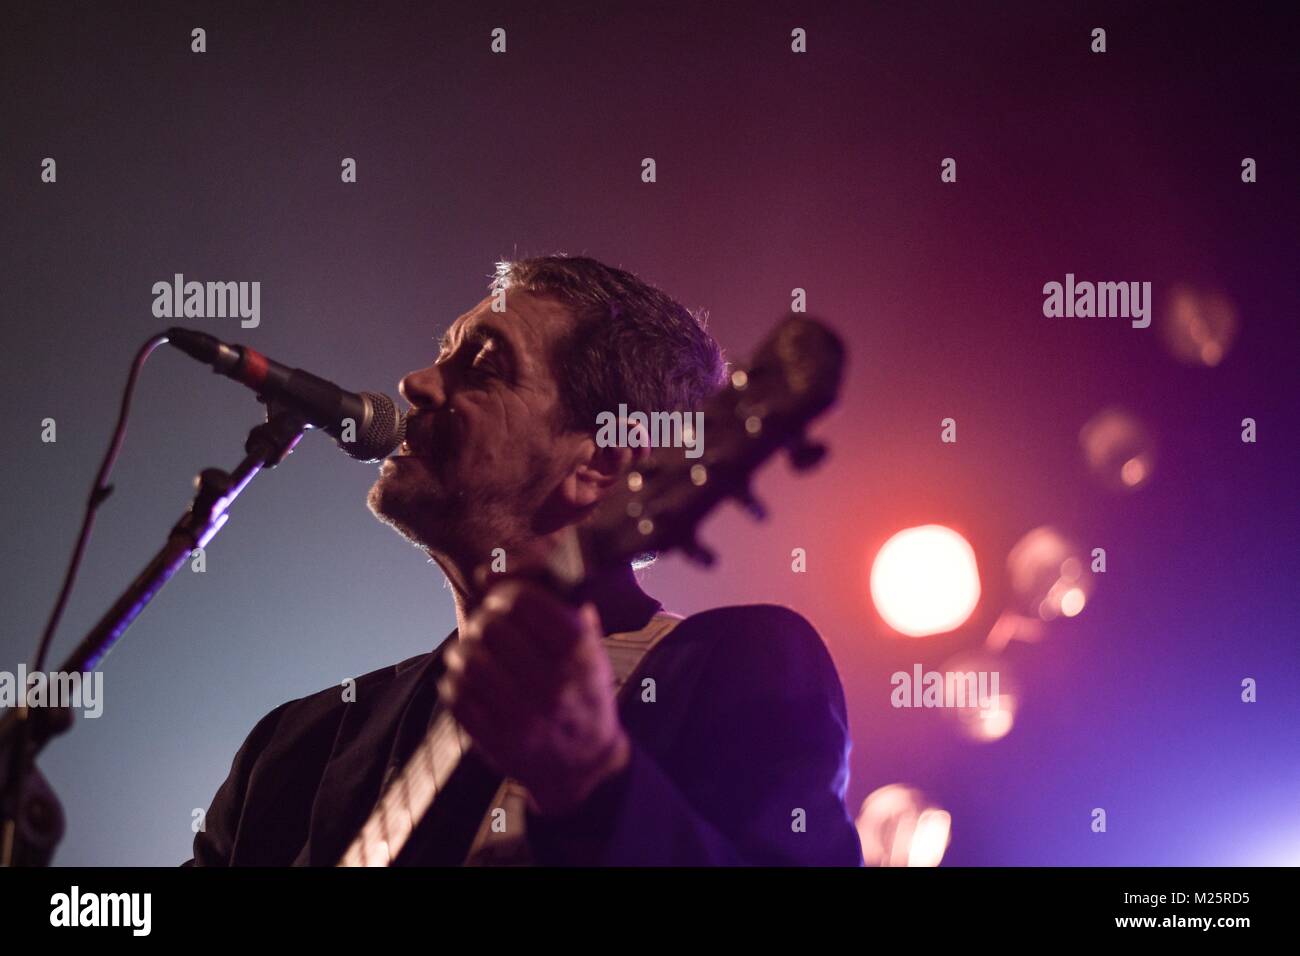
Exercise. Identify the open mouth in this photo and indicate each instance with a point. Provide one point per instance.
(418, 449)
(419, 441)
(413, 451)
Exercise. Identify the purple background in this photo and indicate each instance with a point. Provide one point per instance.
(819, 171)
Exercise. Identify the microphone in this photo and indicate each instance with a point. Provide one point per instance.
(377, 428)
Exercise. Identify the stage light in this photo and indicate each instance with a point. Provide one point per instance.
(1133, 472)
(985, 695)
(925, 581)
(1072, 602)
(897, 826)
(1118, 449)
(1199, 326)
(992, 724)
(1011, 626)
(930, 839)
(1047, 575)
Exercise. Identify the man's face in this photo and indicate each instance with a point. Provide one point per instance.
(485, 447)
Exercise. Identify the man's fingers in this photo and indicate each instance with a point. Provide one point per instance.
(473, 714)
(518, 653)
(476, 670)
(551, 624)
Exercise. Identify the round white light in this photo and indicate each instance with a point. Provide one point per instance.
(924, 581)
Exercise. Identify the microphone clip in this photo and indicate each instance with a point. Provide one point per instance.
(275, 439)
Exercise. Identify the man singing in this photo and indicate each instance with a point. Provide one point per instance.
(738, 757)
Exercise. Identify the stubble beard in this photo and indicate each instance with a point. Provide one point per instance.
(451, 527)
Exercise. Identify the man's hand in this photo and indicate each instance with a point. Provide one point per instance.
(530, 681)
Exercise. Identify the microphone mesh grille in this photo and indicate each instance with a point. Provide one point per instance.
(382, 434)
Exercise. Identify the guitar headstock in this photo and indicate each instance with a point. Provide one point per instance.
(764, 407)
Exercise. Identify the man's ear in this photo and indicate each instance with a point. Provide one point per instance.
(596, 469)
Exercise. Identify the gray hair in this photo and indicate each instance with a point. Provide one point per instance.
(632, 343)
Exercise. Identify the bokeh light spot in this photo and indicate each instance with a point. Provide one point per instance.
(898, 826)
(925, 581)
(1119, 450)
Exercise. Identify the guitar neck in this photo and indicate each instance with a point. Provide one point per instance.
(409, 796)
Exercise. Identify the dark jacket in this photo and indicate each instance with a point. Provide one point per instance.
(748, 728)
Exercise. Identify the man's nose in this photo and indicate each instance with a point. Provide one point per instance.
(423, 389)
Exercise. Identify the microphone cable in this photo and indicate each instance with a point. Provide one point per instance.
(9, 800)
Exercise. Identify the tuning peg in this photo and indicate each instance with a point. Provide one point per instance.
(805, 454)
(756, 508)
(699, 554)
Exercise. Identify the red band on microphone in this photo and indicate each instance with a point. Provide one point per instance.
(252, 370)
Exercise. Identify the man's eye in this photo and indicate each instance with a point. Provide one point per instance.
(483, 362)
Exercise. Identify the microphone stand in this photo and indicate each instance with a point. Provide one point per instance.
(31, 819)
